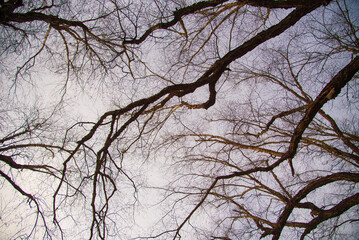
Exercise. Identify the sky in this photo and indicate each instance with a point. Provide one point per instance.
(155, 159)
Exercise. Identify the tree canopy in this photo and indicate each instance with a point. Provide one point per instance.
(179, 119)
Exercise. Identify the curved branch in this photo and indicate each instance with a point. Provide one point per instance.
(341, 176)
(335, 211)
(330, 91)
(178, 14)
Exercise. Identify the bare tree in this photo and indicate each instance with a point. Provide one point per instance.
(237, 89)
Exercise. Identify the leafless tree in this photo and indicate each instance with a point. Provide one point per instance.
(238, 90)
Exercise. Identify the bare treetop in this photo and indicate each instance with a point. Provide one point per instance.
(216, 119)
